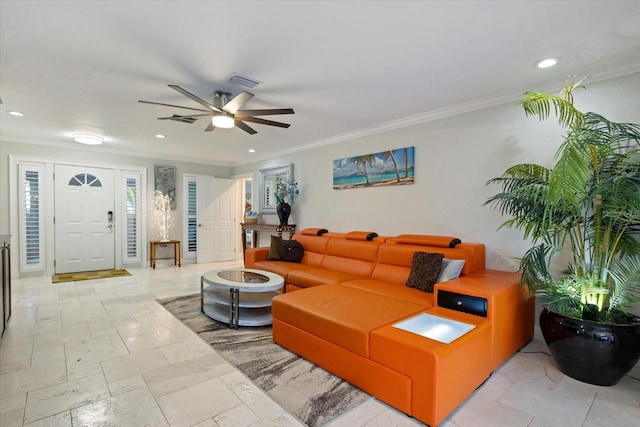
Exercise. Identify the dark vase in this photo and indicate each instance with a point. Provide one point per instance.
(283, 210)
(592, 352)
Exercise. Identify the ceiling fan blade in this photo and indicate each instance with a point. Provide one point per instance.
(265, 122)
(268, 112)
(191, 116)
(237, 102)
(245, 127)
(175, 106)
(210, 127)
(194, 97)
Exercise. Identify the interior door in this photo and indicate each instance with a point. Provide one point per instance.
(84, 219)
(205, 251)
(224, 219)
(215, 201)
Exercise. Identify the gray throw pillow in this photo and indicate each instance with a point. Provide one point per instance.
(451, 269)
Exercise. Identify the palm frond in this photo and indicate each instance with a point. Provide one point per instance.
(539, 104)
(626, 278)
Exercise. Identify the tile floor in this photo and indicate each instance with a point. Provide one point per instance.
(103, 352)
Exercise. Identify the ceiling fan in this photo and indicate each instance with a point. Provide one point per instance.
(225, 111)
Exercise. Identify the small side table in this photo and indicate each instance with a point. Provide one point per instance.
(176, 251)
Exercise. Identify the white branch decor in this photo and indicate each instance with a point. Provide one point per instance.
(162, 206)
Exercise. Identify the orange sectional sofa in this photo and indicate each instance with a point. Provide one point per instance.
(343, 302)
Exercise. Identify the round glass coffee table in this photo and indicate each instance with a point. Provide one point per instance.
(239, 297)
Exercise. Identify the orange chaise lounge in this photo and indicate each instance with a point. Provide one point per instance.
(345, 298)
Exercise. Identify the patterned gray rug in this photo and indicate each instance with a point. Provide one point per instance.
(306, 391)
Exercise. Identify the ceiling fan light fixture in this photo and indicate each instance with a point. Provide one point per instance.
(88, 139)
(223, 120)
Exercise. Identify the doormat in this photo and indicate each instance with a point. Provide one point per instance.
(88, 275)
(309, 393)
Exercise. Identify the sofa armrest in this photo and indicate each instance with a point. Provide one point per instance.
(253, 255)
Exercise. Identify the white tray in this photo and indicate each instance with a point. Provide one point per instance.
(435, 327)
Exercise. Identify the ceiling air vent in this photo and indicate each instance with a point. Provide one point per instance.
(178, 118)
(242, 81)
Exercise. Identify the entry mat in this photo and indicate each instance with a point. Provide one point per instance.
(88, 275)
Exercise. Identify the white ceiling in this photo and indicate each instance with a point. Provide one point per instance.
(347, 68)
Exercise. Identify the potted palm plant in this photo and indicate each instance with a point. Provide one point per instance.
(585, 209)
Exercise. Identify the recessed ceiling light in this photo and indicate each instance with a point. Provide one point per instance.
(546, 62)
(16, 113)
(160, 136)
(252, 150)
(88, 139)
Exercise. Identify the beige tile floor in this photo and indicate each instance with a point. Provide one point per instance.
(103, 352)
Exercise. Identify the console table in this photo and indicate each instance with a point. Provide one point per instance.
(176, 251)
(255, 228)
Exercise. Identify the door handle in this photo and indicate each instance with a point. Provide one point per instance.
(199, 225)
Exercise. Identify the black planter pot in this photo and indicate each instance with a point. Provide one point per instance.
(283, 210)
(588, 351)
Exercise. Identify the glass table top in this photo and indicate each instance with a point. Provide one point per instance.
(243, 276)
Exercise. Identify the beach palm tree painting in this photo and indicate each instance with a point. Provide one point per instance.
(393, 167)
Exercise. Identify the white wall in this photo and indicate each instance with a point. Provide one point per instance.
(96, 157)
(454, 157)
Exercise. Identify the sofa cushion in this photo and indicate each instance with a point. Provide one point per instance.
(283, 268)
(355, 257)
(424, 270)
(342, 315)
(392, 290)
(315, 248)
(315, 276)
(291, 251)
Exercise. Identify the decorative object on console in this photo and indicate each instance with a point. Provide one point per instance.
(251, 217)
(269, 179)
(392, 167)
(161, 207)
(165, 182)
(587, 206)
(425, 269)
(286, 191)
(284, 211)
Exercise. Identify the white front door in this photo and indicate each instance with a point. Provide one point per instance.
(84, 234)
(215, 201)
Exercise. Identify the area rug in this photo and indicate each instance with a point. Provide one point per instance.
(88, 275)
(308, 392)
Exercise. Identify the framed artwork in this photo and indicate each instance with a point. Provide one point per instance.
(165, 181)
(393, 167)
(269, 179)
